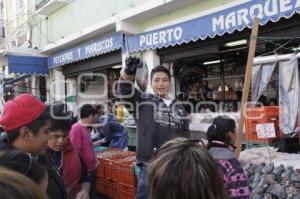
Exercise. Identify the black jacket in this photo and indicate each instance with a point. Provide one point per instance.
(56, 188)
(156, 123)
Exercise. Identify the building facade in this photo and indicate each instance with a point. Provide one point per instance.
(203, 42)
(16, 54)
(65, 25)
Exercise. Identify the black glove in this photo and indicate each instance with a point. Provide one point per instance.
(131, 65)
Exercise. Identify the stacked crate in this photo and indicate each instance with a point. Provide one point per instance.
(115, 174)
(101, 179)
(261, 115)
(126, 178)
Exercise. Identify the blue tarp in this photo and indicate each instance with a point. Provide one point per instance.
(92, 48)
(218, 23)
(27, 65)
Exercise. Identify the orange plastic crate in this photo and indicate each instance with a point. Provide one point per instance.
(100, 170)
(126, 174)
(262, 115)
(100, 185)
(110, 170)
(125, 160)
(109, 167)
(102, 155)
(111, 189)
(126, 192)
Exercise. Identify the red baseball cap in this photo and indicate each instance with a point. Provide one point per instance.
(21, 111)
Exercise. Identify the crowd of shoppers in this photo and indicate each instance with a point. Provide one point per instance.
(57, 155)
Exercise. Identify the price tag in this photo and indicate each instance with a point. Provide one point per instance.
(265, 130)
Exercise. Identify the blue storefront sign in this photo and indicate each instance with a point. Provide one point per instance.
(90, 49)
(218, 23)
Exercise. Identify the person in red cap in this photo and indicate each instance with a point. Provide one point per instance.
(25, 120)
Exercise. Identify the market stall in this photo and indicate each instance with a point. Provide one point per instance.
(272, 174)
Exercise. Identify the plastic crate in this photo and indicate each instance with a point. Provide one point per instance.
(262, 115)
(101, 156)
(100, 185)
(125, 160)
(131, 132)
(111, 189)
(100, 148)
(126, 192)
(100, 170)
(110, 171)
(126, 173)
(131, 142)
(109, 167)
(131, 136)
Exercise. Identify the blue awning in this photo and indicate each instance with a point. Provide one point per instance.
(218, 23)
(99, 46)
(27, 65)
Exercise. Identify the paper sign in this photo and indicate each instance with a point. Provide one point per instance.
(265, 130)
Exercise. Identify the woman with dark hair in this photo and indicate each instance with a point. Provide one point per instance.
(31, 166)
(67, 163)
(183, 169)
(221, 136)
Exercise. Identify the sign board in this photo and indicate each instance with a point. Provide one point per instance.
(86, 50)
(265, 130)
(215, 23)
(71, 99)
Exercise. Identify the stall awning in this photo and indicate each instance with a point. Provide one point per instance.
(27, 65)
(237, 17)
(16, 80)
(93, 48)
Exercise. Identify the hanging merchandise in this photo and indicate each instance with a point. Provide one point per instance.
(289, 95)
(288, 90)
(141, 76)
(261, 75)
(236, 85)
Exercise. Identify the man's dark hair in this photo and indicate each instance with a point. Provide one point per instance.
(34, 126)
(87, 110)
(60, 125)
(64, 122)
(162, 69)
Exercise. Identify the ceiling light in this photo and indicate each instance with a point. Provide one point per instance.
(236, 43)
(116, 67)
(212, 62)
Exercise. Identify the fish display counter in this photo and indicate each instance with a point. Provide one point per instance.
(272, 174)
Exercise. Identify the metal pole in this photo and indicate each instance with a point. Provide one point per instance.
(222, 81)
(273, 58)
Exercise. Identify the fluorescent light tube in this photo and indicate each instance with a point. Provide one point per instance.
(236, 43)
(116, 67)
(212, 62)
